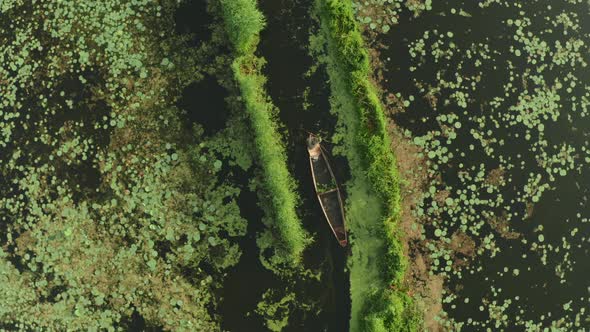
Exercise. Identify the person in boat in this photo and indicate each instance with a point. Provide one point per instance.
(313, 145)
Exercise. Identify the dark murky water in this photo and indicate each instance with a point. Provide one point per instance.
(540, 291)
(192, 18)
(248, 280)
(204, 103)
(283, 44)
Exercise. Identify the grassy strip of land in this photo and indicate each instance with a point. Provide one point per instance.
(378, 262)
(243, 22)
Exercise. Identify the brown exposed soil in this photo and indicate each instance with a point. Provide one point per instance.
(463, 244)
(427, 288)
(495, 177)
(464, 247)
(440, 196)
(25, 241)
(501, 225)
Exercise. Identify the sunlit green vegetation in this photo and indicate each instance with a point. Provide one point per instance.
(111, 211)
(124, 198)
(243, 23)
(367, 146)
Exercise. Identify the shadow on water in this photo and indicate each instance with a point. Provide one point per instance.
(248, 280)
(137, 323)
(204, 103)
(193, 18)
(284, 46)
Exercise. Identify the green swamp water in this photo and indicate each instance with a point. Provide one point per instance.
(501, 86)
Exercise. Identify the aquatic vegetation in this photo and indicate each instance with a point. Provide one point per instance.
(372, 137)
(357, 104)
(243, 15)
(501, 120)
(276, 308)
(243, 23)
(110, 210)
(124, 191)
(387, 311)
(382, 15)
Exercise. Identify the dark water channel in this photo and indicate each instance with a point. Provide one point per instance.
(193, 96)
(538, 290)
(284, 46)
(204, 103)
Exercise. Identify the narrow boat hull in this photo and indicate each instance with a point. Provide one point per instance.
(327, 190)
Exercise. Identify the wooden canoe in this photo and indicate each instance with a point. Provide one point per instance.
(327, 189)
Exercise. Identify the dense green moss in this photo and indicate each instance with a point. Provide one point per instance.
(349, 62)
(243, 23)
(373, 137)
(386, 311)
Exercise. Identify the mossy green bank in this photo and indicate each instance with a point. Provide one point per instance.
(243, 23)
(378, 263)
